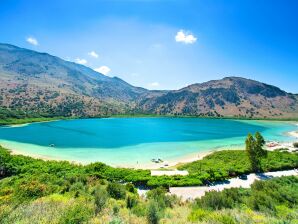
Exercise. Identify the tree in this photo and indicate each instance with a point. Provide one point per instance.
(254, 147)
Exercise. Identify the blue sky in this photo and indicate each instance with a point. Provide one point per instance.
(163, 44)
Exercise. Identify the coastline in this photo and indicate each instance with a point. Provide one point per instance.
(171, 163)
(150, 165)
(293, 134)
(26, 121)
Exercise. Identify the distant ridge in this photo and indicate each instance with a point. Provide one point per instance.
(40, 84)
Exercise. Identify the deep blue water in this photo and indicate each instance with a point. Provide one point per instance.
(105, 139)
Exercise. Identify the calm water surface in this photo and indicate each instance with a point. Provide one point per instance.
(127, 141)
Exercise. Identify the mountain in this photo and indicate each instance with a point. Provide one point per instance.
(230, 96)
(47, 84)
(38, 84)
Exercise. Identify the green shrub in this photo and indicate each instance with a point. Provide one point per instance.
(116, 190)
(131, 201)
(227, 198)
(152, 213)
(160, 197)
(76, 214)
(130, 188)
(100, 199)
(139, 210)
(32, 189)
(198, 215)
(77, 188)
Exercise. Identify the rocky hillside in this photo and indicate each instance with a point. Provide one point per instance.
(40, 84)
(231, 96)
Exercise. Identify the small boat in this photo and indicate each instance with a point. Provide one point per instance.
(52, 145)
(157, 160)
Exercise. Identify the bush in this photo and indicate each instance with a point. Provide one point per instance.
(139, 210)
(160, 197)
(152, 213)
(198, 215)
(227, 198)
(130, 188)
(131, 201)
(295, 144)
(76, 214)
(116, 190)
(78, 188)
(32, 189)
(100, 199)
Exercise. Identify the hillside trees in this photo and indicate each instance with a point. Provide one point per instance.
(254, 148)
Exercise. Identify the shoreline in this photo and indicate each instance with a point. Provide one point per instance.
(144, 166)
(293, 134)
(172, 164)
(27, 121)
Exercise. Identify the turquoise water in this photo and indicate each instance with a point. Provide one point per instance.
(128, 141)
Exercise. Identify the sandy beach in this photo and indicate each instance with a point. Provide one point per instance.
(293, 133)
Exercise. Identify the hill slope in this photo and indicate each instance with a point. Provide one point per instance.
(43, 85)
(47, 84)
(231, 96)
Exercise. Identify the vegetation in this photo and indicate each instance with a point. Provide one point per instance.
(223, 164)
(254, 148)
(276, 198)
(9, 117)
(36, 191)
(295, 144)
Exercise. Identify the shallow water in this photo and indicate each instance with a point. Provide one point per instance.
(128, 141)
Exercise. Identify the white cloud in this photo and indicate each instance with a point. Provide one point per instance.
(153, 84)
(32, 40)
(93, 54)
(81, 61)
(103, 69)
(185, 37)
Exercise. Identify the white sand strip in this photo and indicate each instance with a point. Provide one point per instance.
(197, 192)
(169, 172)
(293, 133)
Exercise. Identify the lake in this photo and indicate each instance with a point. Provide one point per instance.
(132, 141)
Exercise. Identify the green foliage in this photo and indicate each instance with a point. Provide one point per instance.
(152, 213)
(198, 215)
(78, 188)
(37, 191)
(218, 200)
(139, 210)
(202, 215)
(100, 199)
(229, 163)
(277, 197)
(161, 198)
(254, 148)
(131, 201)
(130, 188)
(76, 214)
(116, 190)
